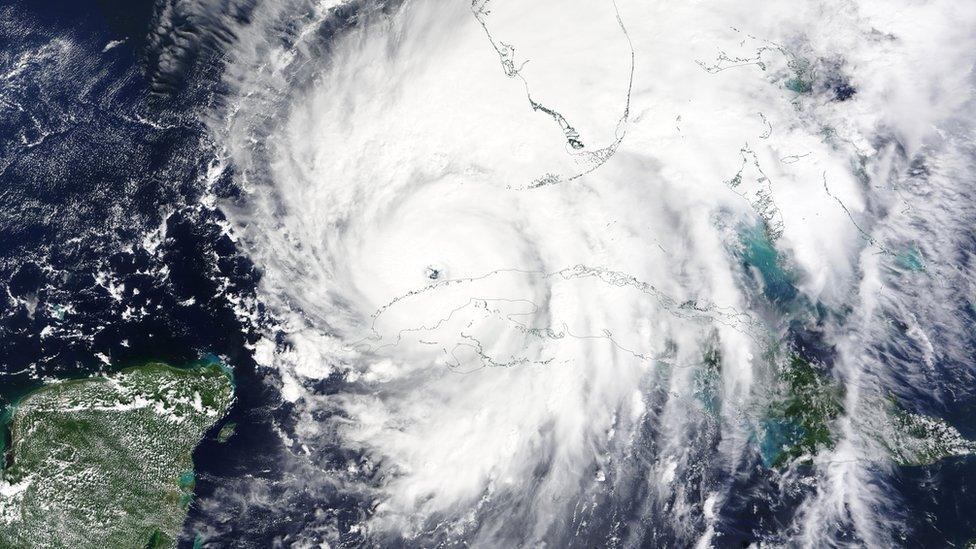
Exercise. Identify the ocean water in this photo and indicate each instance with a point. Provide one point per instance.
(687, 259)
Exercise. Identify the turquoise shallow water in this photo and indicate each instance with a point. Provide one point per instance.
(911, 260)
(135, 169)
(777, 435)
(759, 253)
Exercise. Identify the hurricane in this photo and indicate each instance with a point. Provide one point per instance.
(605, 273)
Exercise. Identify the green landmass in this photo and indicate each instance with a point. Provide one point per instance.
(707, 380)
(226, 432)
(921, 440)
(912, 439)
(107, 461)
(799, 421)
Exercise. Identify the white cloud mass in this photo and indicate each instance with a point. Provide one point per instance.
(509, 234)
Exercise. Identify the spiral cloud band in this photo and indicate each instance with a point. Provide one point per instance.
(546, 273)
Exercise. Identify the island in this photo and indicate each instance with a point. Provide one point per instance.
(107, 461)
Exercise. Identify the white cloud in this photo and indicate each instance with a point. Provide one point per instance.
(402, 147)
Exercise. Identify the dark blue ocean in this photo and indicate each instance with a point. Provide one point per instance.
(100, 143)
